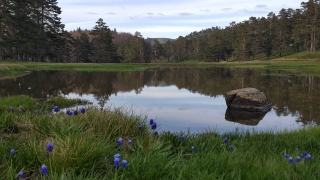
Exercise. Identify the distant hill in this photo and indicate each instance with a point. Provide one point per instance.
(161, 40)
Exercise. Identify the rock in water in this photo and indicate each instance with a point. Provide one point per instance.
(247, 99)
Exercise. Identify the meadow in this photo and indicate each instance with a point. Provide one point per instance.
(42, 140)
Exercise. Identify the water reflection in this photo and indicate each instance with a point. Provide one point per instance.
(183, 98)
(244, 117)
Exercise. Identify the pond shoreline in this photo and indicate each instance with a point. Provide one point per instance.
(83, 146)
(294, 66)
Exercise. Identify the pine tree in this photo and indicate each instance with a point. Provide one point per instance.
(103, 47)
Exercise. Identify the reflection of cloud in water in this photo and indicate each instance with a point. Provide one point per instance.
(180, 110)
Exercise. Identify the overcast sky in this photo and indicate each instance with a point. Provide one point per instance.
(165, 18)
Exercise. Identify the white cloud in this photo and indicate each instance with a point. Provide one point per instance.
(179, 16)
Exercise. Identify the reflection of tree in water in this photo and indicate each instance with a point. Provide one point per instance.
(291, 95)
(102, 100)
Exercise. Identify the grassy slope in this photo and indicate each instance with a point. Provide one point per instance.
(85, 145)
(302, 62)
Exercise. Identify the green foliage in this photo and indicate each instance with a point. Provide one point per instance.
(26, 102)
(304, 55)
(65, 102)
(29, 104)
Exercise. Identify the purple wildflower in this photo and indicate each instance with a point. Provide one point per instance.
(308, 157)
(192, 149)
(44, 170)
(20, 175)
(12, 151)
(75, 112)
(286, 155)
(120, 141)
(49, 147)
(291, 160)
(116, 162)
(56, 109)
(154, 125)
(124, 164)
(231, 147)
(225, 140)
(83, 110)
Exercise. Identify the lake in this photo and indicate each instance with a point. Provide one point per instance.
(182, 99)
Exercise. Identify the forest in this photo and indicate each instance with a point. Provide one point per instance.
(31, 30)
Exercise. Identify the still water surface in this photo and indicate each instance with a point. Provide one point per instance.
(184, 99)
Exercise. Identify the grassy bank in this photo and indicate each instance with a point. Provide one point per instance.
(84, 146)
(8, 70)
(26, 103)
(291, 65)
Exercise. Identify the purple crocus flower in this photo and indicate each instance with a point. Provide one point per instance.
(44, 170)
(11, 108)
(12, 151)
(182, 138)
(155, 133)
(37, 104)
(20, 175)
(49, 147)
(129, 141)
(140, 127)
(83, 110)
(154, 125)
(124, 164)
(151, 121)
(116, 162)
(298, 159)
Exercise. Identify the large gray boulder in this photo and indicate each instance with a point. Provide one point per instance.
(247, 99)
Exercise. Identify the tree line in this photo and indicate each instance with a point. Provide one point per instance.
(31, 30)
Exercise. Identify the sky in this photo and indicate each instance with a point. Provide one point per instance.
(165, 18)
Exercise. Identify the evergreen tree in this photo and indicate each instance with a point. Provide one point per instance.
(103, 47)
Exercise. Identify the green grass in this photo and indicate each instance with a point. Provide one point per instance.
(292, 65)
(31, 104)
(85, 145)
(304, 55)
(65, 102)
(11, 70)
